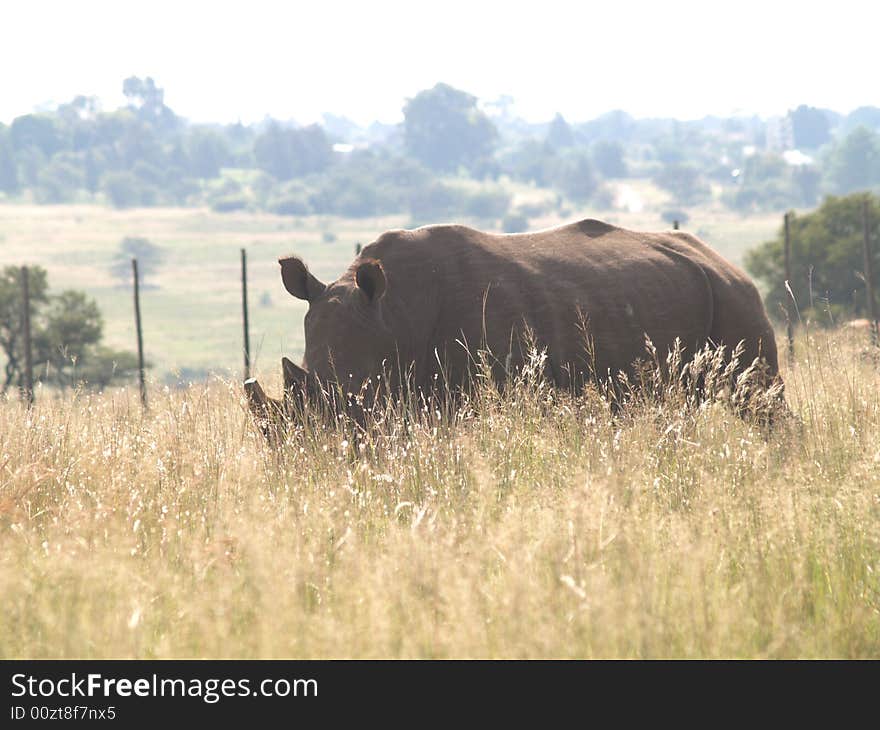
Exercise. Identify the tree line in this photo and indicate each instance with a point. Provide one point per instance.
(827, 262)
(144, 154)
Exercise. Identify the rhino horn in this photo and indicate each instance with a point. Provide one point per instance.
(266, 411)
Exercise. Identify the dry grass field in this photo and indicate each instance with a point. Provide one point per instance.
(531, 524)
(524, 525)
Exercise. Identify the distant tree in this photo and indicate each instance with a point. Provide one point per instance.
(684, 182)
(289, 153)
(143, 92)
(91, 171)
(178, 156)
(807, 180)
(108, 131)
(59, 181)
(827, 251)
(773, 194)
(123, 189)
(854, 163)
(290, 202)
(608, 156)
(30, 163)
(102, 366)
(71, 325)
(364, 182)
(139, 142)
(33, 130)
(435, 202)
(347, 193)
(208, 152)
(576, 178)
(148, 102)
(66, 332)
(531, 161)
(613, 125)
(761, 167)
(559, 134)
(864, 116)
(487, 204)
(272, 153)
(810, 126)
(444, 129)
(11, 313)
(767, 182)
(148, 254)
(80, 108)
(485, 168)
(8, 165)
(669, 151)
(147, 173)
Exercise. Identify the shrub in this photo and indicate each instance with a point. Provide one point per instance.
(826, 260)
(435, 202)
(487, 203)
(123, 189)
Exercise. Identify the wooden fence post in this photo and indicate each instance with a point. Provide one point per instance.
(244, 312)
(789, 324)
(869, 274)
(26, 332)
(140, 336)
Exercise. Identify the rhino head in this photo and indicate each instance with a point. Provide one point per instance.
(349, 343)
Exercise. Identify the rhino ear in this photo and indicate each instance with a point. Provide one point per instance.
(298, 280)
(370, 278)
(294, 376)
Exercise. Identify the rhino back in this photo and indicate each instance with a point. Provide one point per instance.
(454, 290)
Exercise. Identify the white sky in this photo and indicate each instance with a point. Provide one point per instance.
(222, 61)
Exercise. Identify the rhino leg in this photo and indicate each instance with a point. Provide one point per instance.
(268, 412)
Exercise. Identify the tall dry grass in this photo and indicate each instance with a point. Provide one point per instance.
(523, 524)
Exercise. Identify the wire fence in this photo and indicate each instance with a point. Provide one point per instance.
(27, 377)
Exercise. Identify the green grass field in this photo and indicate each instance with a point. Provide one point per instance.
(192, 316)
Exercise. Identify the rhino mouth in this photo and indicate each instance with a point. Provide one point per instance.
(304, 393)
(268, 412)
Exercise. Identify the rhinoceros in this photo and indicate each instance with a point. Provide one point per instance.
(417, 305)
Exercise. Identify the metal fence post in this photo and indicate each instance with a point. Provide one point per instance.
(140, 336)
(869, 274)
(244, 312)
(28, 373)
